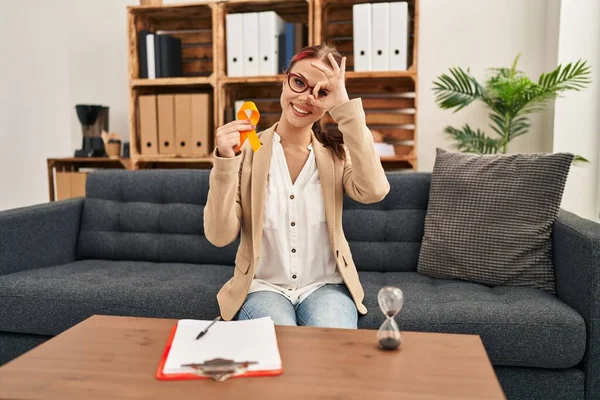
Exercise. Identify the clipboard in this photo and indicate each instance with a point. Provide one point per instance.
(218, 369)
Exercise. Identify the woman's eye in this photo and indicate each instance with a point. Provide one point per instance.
(299, 82)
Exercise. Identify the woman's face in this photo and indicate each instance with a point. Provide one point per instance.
(296, 108)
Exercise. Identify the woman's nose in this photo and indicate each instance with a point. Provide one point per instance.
(303, 97)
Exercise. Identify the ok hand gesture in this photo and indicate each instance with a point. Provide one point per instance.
(335, 85)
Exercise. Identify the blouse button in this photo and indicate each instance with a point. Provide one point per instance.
(294, 276)
(293, 250)
(292, 197)
(293, 224)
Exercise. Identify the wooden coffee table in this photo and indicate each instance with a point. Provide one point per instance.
(108, 357)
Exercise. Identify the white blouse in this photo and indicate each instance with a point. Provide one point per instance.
(295, 256)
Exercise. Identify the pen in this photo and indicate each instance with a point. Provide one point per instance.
(207, 328)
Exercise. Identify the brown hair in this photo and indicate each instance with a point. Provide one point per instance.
(332, 141)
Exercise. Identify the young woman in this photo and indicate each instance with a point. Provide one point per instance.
(293, 262)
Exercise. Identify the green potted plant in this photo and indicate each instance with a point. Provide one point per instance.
(511, 98)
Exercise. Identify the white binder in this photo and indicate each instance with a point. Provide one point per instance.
(271, 27)
(250, 43)
(380, 59)
(150, 56)
(235, 45)
(399, 24)
(361, 20)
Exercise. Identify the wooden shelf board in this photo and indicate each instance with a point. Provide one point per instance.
(297, 7)
(380, 74)
(174, 10)
(264, 1)
(253, 79)
(184, 81)
(397, 158)
(349, 75)
(89, 159)
(171, 159)
(352, 2)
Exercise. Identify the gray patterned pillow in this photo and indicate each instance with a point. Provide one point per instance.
(490, 218)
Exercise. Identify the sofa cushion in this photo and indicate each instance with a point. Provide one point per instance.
(154, 215)
(518, 326)
(49, 300)
(377, 233)
(490, 218)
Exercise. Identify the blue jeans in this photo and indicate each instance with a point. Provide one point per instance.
(329, 306)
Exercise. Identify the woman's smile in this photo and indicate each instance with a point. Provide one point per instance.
(299, 111)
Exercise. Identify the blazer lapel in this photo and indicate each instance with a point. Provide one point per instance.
(327, 176)
(261, 162)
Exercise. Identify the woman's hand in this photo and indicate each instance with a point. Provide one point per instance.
(228, 137)
(335, 85)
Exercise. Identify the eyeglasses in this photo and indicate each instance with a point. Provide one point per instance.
(299, 85)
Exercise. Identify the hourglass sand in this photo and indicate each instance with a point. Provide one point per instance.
(391, 300)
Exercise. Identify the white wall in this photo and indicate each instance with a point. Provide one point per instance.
(577, 114)
(480, 35)
(34, 119)
(97, 57)
(60, 53)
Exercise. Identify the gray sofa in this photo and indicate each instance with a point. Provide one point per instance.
(135, 246)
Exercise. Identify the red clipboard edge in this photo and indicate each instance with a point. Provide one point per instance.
(188, 376)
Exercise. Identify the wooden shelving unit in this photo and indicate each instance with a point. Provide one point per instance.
(75, 164)
(389, 97)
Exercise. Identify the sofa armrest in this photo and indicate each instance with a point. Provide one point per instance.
(39, 236)
(576, 248)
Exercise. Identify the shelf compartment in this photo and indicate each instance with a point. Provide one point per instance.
(192, 23)
(390, 112)
(334, 24)
(294, 11)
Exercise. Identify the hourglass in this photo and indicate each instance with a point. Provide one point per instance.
(391, 300)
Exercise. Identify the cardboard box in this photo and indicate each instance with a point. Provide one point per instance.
(70, 184)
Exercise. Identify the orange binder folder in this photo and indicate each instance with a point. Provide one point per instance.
(230, 364)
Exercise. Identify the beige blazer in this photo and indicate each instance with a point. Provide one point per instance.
(236, 200)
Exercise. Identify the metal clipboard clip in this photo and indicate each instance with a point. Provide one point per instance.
(220, 369)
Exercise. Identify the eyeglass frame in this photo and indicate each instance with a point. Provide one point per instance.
(293, 74)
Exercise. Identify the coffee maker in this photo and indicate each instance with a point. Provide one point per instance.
(94, 120)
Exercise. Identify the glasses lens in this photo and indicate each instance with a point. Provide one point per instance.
(297, 84)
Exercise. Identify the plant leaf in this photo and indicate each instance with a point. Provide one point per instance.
(470, 141)
(498, 124)
(518, 127)
(570, 77)
(580, 160)
(457, 90)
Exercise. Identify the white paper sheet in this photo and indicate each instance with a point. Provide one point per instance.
(251, 340)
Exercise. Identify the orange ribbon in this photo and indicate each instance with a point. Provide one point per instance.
(254, 118)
